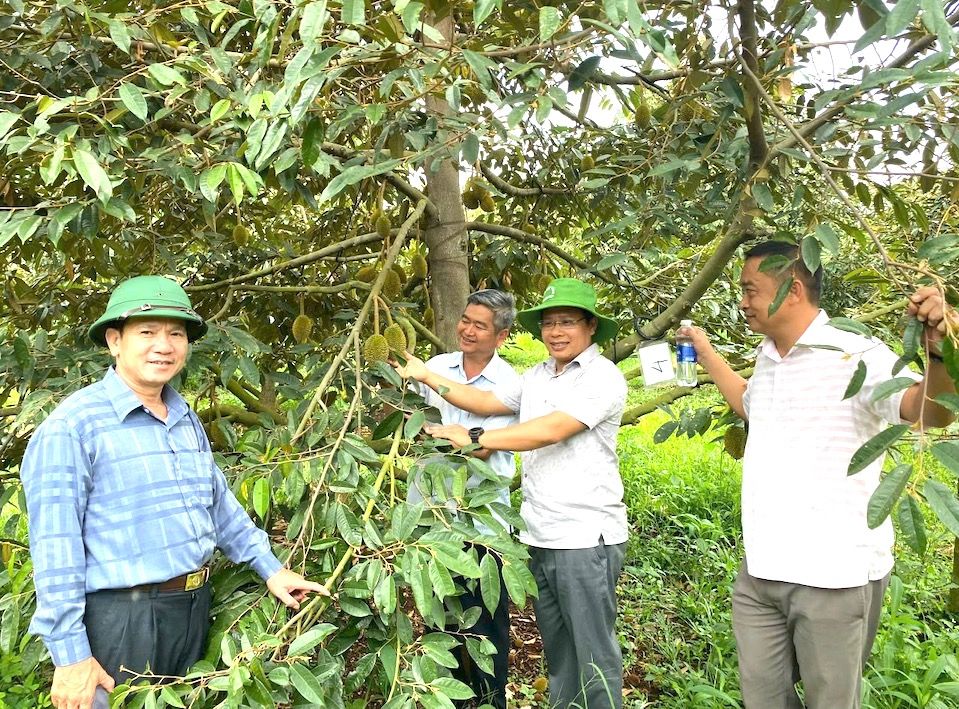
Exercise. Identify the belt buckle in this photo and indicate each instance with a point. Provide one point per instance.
(196, 579)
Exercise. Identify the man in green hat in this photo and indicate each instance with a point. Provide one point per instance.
(126, 507)
(569, 409)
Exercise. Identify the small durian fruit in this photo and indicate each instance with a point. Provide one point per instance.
(392, 286)
(471, 200)
(540, 684)
(587, 163)
(383, 225)
(410, 332)
(643, 115)
(419, 266)
(302, 327)
(734, 441)
(395, 337)
(398, 270)
(429, 318)
(376, 349)
(367, 274)
(542, 282)
(487, 203)
(241, 235)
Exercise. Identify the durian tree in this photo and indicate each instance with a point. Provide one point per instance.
(331, 177)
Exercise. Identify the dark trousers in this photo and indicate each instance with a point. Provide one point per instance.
(136, 630)
(489, 689)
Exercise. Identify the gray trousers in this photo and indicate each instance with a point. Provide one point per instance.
(576, 616)
(138, 629)
(787, 632)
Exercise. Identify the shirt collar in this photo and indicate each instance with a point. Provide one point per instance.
(124, 401)
(582, 359)
(810, 336)
(489, 371)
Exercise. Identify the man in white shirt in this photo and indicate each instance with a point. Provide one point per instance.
(569, 408)
(806, 602)
(482, 329)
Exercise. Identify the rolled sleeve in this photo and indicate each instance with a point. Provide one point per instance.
(56, 475)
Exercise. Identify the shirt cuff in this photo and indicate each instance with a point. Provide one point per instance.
(266, 565)
(70, 649)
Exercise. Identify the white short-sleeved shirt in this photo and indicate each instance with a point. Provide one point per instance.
(572, 491)
(497, 374)
(804, 518)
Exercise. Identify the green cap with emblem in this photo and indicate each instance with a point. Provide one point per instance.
(568, 293)
(148, 297)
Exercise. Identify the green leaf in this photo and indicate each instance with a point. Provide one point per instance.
(548, 22)
(414, 425)
(134, 100)
(166, 75)
(120, 35)
(582, 73)
(483, 8)
(441, 579)
(850, 325)
(875, 447)
(886, 495)
(307, 685)
(781, 294)
(950, 357)
(169, 695)
(947, 453)
(219, 109)
(352, 175)
(811, 253)
(610, 260)
(828, 237)
(452, 688)
(890, 387)
(901, 16)
(93, 175)
(235, 180)
(7, 119)
(762, 195)
(950, 401)
(911, 524)
(490, 586)
(912, 338)
(261, 497)
(457, 560)
(518, 580)
(302, 644)
(856, 382)
(384, 595)
(210, 180)
(665, 431)
(354, 12)
(387, 426)
(943, 502)
(312, 21)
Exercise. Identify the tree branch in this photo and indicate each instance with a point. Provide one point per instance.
(504, 186)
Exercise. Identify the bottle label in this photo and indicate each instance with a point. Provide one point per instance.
(685, 352)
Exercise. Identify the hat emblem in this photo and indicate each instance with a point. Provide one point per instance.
(549, 293)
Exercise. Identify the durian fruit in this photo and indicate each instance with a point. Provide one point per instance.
(302, 327)
(487, 203)
(376, 349)
(587, 163)
(241, 235)
(398, 270)
(643, 115)
(383, 225)
(367, 274)
(392, 286)
(395, 337)
(419, 266)
(734, 441)
(542, 282)
(410, 332)
(472, 194)
(429, 318)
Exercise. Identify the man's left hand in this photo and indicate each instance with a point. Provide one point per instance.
(930, 309)
(291, 588)
(455, 434)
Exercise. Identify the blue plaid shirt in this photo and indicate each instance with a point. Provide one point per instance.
(117, 498)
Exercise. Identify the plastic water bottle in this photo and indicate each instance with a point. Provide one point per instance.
(685, 359)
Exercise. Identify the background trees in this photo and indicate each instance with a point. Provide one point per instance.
(291, 159)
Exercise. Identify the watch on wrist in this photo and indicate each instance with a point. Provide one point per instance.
(475, 433)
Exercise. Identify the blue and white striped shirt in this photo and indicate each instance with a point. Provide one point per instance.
(117, 498)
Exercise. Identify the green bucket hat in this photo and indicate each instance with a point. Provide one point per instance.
(148, 296)
(568, 293)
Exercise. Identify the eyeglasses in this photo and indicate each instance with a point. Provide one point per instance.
(564, 324)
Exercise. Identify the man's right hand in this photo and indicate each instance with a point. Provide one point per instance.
(413, 369)
(700, 341)
(74, 685)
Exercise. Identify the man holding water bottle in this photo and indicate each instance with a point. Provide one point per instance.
(807, 599)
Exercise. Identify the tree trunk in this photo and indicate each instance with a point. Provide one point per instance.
(446, 237)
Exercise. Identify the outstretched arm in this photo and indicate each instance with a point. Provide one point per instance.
(918, 401)
(730, 385)
(462, 396)
(526, 436)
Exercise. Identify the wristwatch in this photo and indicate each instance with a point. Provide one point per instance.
(475, 433)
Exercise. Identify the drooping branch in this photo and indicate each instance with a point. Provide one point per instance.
(520, 235)
(752, 113)
(504, 186)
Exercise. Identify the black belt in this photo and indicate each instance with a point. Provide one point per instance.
(187, 582)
